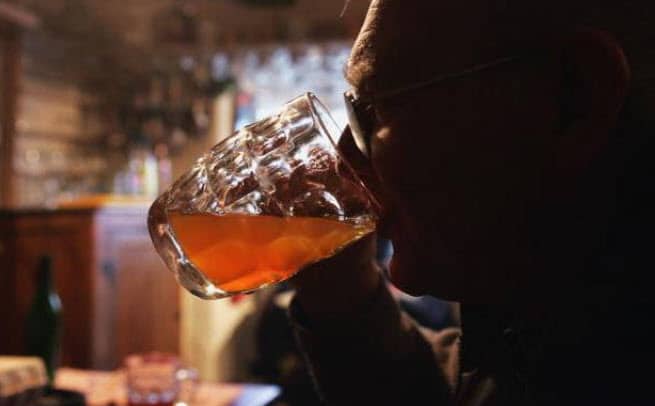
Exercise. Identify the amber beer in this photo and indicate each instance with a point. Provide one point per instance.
(243, 252)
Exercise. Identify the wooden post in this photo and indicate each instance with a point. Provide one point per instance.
(11, 69)
(13, 20)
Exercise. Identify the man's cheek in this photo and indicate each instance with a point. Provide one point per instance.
(390, 161)
(394, 174)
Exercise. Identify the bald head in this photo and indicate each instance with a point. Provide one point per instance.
(405, 41)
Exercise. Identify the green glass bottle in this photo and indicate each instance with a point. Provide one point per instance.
(43, 325)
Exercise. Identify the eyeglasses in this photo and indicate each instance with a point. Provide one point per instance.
(360, 108)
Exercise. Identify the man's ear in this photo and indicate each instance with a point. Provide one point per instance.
(594, 82)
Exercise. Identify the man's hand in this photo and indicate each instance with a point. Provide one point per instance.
(334, 287)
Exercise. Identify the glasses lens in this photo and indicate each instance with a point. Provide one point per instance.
(360, 121)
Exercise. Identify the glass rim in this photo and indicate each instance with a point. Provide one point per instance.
(318, 110)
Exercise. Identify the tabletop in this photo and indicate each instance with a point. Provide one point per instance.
(103, 388)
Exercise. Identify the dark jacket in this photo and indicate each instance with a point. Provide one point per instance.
(599, 353)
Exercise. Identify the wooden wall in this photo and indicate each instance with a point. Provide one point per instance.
(55, 136)
(57, 141)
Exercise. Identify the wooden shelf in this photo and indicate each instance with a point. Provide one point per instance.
(84, 140)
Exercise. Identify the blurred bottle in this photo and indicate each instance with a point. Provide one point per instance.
(245, 110)
(43, 325)
(150, 175)
(142, 172)
(164, 167)
(134, 176)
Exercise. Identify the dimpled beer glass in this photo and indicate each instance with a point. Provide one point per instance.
(269, 200)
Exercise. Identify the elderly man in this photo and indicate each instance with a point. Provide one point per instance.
(508, 142)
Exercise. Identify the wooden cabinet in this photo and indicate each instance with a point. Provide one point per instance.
(117, 295)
